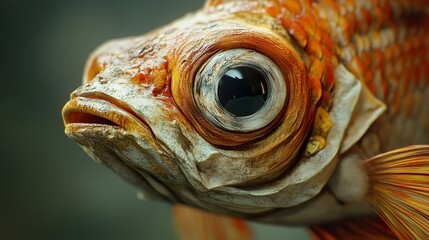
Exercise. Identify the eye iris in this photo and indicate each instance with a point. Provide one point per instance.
(242, 91)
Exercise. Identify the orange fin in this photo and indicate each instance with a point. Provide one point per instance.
(194, 224)
(354, 229)
(399, 190)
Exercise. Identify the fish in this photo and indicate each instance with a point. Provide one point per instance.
(286, 112)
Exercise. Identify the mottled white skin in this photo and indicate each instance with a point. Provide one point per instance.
(349, 183)
(163, 159)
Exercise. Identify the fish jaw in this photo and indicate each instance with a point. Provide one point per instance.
(117, 135)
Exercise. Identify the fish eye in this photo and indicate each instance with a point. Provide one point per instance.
(240, 90)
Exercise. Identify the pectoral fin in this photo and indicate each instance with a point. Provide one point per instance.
(399, 190)
(194, 224)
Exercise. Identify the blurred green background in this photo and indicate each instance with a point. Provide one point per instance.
(50, 189)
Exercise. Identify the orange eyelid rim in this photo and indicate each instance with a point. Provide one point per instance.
(297, 105)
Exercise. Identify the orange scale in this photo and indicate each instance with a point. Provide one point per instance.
(328, 79)
(327, 54)
(389, 52)
(386, 87)
(393, 108)
(317, 34)
(308, 27)
(378, 17)
(352, 22)
(316, 68)
(295, 31)
(324, 26)
(377, 59)
(347, 32)
(366, 58)
(397, 50)
(326, 100)
(316, 88)
(293, 7)
(331, 4)
(314, 48)
(326, 41)
(334, 60)
(273, 10)
(368, 77)
(386, 10)
(365, 20)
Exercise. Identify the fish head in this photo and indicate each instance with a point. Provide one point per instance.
(215, 111)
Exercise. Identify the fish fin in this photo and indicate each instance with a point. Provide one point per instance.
(399, 190)
(195, 224)
(369, 228)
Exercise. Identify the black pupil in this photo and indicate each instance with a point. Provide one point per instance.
(242, 91)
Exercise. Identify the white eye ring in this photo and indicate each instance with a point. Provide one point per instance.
(207, 82)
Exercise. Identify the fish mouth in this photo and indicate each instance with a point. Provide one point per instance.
(95, 113)
(105, 128)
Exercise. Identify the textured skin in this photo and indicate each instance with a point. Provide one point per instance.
(384, 44)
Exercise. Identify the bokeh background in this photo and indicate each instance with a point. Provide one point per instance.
(50, 189)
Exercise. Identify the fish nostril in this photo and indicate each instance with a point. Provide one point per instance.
(80, 117)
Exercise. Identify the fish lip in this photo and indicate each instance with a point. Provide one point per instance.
(94, 112)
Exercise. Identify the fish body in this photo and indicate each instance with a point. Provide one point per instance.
(284, 112)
